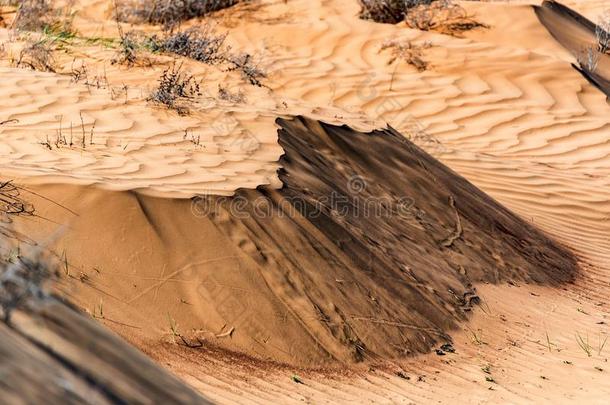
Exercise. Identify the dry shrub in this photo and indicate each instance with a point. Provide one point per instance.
(175, 88)
(408, 52)
(388, 11)
(11, 202)
(442, 16)
(201, 44)
(170, 14)
(129, 43)
(37, 55)
(248, 67)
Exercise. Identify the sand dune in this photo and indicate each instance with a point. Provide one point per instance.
(502, 107)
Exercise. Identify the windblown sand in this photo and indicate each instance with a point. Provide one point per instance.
(502, 107)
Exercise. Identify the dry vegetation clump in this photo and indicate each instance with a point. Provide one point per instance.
(175, 88)
(201, 44)
(226, 95)
(207, 46)
(11, 202)
(32, 14)
(39, 15)
(408, 52)
(80, 74)
(37, 55)
(129, 43)
(388, 11)
(248, 67)
(170, 14)
(442, 16)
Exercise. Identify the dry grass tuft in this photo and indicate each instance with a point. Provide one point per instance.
(175, 88)
(249, 68)
(443, 16)
(170, 14)
(388, 11)
(201, 44)
(37, 55)
(408, 52)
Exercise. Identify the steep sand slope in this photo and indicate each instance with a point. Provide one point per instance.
(371, 250)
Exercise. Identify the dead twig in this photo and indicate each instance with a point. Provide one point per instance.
(228, 333)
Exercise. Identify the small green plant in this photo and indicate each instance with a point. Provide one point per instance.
(127, 53)
(202, 44)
